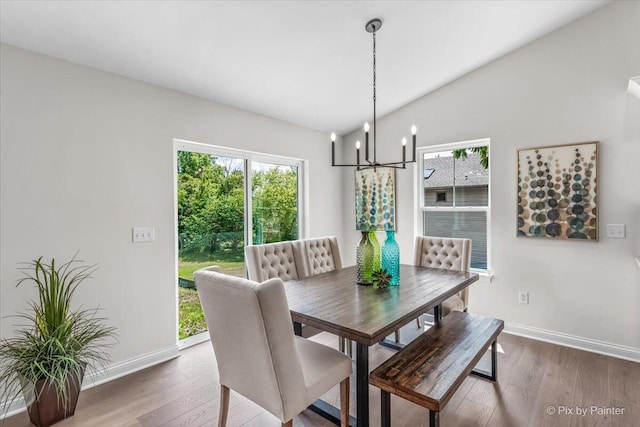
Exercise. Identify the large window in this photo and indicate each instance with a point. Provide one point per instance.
(454, 195)
(226, 199)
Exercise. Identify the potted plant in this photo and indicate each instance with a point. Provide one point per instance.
(47, 359)
(381, 278)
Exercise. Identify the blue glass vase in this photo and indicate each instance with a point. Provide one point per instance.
(364, 260)
(391, 258)
(376, 250)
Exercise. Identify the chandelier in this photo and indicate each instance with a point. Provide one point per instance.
(372, 162)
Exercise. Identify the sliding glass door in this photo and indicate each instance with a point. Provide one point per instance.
(226, 199)
(275, 202)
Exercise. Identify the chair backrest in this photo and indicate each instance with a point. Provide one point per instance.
(271, 260)
(444, 252)
(315, 256)
(253, 340)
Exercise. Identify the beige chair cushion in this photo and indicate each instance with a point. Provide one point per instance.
(315, 256)
(257, 352)
(317, 360)
(453, 303)
(271, 260)
(447, 253)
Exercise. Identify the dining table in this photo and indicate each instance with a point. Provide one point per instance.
(335, 303)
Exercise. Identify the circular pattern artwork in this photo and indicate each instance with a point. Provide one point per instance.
(375, 199)
(557, 192)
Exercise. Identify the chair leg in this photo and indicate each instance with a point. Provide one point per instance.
(345, 346)
(288, 423)
(344, 403)
(418, 322)
(224, 406)
(397, 334)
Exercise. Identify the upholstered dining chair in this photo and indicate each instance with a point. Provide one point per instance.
(447, 253)
(271, 260)
(257, 352)
(450, 254)
(316, 256)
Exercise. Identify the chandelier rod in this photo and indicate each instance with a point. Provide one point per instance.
(375, 133)
(372, 27)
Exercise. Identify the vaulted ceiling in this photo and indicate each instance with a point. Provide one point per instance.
(305, 62)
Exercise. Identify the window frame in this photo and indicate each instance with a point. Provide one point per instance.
(249, 157)
(420, 200)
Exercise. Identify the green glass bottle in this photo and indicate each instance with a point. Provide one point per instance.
(364, 260)
(376, 250)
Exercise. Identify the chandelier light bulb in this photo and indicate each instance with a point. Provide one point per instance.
(333, 137)
(404, 141)
(413, 130)
(357, 145)
(366, 126)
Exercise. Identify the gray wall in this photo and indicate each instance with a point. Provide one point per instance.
(86, 155)
(569, 86)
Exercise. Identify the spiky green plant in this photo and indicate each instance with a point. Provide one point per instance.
(381, 278)
(59, 341)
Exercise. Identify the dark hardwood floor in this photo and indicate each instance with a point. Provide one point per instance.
(534, 380)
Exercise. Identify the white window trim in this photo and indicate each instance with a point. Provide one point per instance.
(485, 275)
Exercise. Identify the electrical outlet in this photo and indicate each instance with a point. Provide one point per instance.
(142, 234)
(615, 231)
(523, 297)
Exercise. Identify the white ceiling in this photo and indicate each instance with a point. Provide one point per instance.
(305, 62)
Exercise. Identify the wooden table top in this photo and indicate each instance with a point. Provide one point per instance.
(333, 302)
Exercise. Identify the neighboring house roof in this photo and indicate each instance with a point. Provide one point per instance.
(469, 171)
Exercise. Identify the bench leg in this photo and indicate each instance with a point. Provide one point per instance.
(385, 408)
(434, 419)
(493, 375)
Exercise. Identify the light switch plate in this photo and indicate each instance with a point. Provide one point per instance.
(616, 231)
(143, 234)
(523, 297)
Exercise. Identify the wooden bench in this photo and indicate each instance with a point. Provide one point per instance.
(429, 370)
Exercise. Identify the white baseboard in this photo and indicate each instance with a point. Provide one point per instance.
(113, 372)
(580, 343)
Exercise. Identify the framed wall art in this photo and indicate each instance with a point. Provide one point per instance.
(558, 192)
(375, 199)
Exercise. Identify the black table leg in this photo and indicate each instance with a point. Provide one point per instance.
(297, 328)
(362, 385)
(330, 412)
(437, 313)
(494, 360)
(385, 408)
(434, 419)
